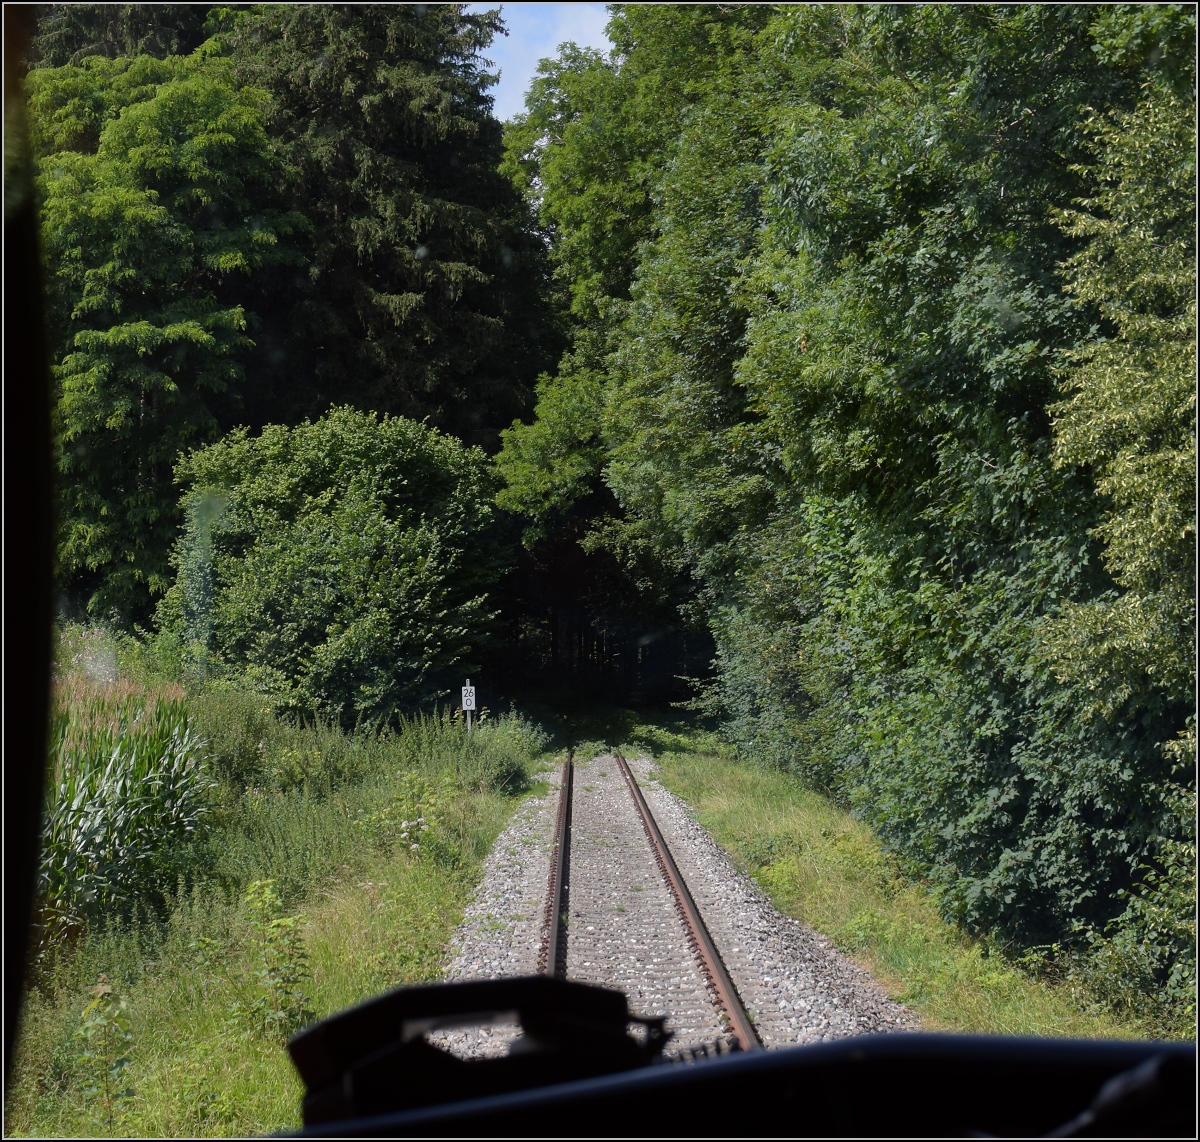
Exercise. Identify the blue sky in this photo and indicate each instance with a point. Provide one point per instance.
(534, 32)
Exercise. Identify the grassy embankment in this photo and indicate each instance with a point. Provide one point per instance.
(315, 812)
(376, 914)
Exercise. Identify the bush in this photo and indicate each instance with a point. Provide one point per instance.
(237, 727)
(340, 567)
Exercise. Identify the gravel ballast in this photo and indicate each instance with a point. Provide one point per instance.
(624, 930)
(797, 987)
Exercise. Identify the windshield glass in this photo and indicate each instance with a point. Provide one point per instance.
(692, 499)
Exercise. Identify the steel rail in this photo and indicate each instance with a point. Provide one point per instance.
(712, 965)
(550, 955)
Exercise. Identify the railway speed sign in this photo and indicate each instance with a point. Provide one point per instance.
(468, 702)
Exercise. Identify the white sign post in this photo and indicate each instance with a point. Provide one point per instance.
(468, 702)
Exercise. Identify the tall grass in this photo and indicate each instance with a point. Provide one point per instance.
(324, 816)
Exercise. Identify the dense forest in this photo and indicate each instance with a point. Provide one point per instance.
(837, 361)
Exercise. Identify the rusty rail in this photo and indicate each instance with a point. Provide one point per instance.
(711, 963)
(550, 956)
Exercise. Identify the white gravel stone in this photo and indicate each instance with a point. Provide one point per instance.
(501, 931)
(624, 929)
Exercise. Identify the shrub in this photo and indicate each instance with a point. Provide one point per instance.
(341, 567)
(238, 728)
(281, 965)
(104, 1037)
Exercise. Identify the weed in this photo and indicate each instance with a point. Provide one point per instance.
(104, 1039)
(586, 751)
(280, 1006)
(408, 819)
(202, 949)
(205, 1107)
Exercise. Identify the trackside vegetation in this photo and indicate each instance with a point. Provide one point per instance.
(340, 567)
(305, 869)
(826, 869)
(884, 349)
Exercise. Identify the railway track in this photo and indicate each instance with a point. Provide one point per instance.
(737, 1030)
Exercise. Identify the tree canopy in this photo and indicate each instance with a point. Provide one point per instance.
(251, 215)
(891, 347)
(160, 196)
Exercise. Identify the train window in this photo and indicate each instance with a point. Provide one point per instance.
(597, 568)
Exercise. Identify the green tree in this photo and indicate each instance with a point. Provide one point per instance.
(590, 153)
(823, 376)
(69, 33)
(1130, 407)
(1129, 414)
(191, 294)
(351, 559)
(159, 192)
(423, 296)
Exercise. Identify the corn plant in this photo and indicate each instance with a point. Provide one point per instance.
(127, 788)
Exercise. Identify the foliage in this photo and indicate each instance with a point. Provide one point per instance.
(240, 732)
(1144, 961)
(826, 869)
(550, 464)
(423, 296)
(127, 795)
(590, 153)
(349, 563)
(281, 966)
(824, 377)
(306, 209)
(104, 1039)
(598, 133)
(1131, 403)
(406, 819)
(414, 819)
(69, 33)
(159, 195)
(1129, 415)
(378, 916)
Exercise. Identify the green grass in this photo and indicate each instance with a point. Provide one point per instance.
(377, 920)
(384, 922)
(317, 812)
(827, 870)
